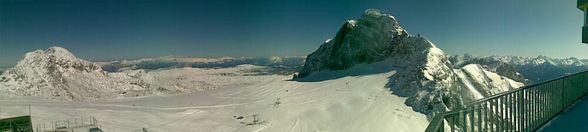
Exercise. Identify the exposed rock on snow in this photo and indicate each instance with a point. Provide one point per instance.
(424, 73)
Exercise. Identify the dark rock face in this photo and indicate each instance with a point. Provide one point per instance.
(370, 38)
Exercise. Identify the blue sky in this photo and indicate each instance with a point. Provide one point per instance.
(108, 30)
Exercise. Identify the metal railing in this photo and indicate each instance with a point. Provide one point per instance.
(69, 125)
(16, 124)
(524, 109)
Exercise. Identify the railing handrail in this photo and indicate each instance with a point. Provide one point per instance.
(437, 123)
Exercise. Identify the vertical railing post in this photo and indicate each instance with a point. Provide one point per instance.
(472, 114)
(521, 109)
(464, 124)
(493, 125)
(505, 113)
(487, 110)
(452, 125)
(479, 118)
(562, 90)
(512, 108)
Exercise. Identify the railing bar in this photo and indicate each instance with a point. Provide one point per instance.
(541, 104)
(550, 100)
(544, 105)
(509, 111)
(480, 118)
(504, 113)
(506, 119)
(516, 111)
(512, 111)
(464, 123)
(522, 110)
(493, 124)
(488, 109)
(526, 116)
(519, 111)
(531, 108)
(535, 108)
(452, 126)
(498, 113)
(472, 125)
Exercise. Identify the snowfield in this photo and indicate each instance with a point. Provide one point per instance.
(347, 101)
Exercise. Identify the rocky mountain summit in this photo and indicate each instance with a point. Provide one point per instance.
(424, 74)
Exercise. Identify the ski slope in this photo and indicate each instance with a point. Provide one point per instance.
(350, 100)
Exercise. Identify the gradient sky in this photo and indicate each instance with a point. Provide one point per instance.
(109, 30)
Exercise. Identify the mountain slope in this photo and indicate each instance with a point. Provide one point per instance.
(424, 74)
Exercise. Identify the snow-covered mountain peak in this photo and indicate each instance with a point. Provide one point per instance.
(57, 73)
(56, 52)
(55, 59)
(424, 74)
(373, 37)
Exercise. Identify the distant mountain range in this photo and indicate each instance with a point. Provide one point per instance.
(525, 69)
(280, 65)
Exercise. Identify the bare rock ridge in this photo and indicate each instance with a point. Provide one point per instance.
(424, 75)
